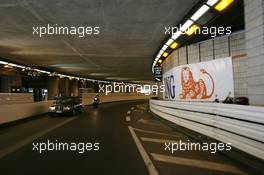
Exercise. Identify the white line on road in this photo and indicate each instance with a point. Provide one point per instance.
(154, 132)
(128, 112)
(151, 168)
(148, 122)
(11, 149)
(144, 139)
(197, 163)
(128, 119)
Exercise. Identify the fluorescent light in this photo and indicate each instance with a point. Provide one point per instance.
(211, 2)
(169, 42)
(186, 25)
(3, 62)
(164, 47)
(176, 35)
(43, 71)
(223, 4)
(200, 12)
(159, 55)
(174, 45)
(14, 65)
(161, 52)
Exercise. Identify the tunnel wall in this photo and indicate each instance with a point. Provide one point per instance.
(6, 81)
(87, 98)
(15, 98)
(16, 109)
(13, 112)
(233, 45)
(254, 23)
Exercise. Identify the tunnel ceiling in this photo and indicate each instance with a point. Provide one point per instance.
(130, 32)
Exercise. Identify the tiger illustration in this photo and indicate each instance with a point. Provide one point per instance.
(192, 89)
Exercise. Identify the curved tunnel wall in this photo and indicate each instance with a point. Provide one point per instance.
(246, 48)
(233, 45)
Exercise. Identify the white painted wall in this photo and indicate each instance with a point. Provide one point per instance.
(87, 98)
(14, 98)
(13, 112)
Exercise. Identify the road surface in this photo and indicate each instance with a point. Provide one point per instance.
(129, 139)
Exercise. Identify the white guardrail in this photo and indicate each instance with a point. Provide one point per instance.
(242, 126)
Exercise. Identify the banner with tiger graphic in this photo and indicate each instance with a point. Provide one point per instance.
(204, 81)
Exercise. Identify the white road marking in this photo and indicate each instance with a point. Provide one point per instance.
(144, 121)
(128, 112)
(151, 168)
(11, 149)
(154, 132)
(128, 119)
(148, 122)
(144, 139)
(197, 163)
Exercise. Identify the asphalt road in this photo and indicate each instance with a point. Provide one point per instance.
(130, 141)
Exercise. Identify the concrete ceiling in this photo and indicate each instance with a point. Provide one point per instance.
(130, 33)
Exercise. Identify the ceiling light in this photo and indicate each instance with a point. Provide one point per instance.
(211, 2)
(176, 35)
(165, 54)
(191, 30)
(160, 61)
(173, 45)
(8, 66)
(161, 52)
(164, 47)
(186, 25)
(169, 42)
(223, 4)
(200, 12)
(159, 55)
(3, 62)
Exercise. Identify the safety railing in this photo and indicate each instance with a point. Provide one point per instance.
(242, 126)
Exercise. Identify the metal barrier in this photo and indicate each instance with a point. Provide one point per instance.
(242, 126)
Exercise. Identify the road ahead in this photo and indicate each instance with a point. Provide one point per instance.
(131, 141)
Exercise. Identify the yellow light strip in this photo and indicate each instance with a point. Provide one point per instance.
(223, 4)
(191, 30)
(8, 66)
(173, 45)
(165, 54)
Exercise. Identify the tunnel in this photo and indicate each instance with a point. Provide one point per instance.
(130, 87)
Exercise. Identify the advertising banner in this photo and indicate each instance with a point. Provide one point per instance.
(203, 81)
